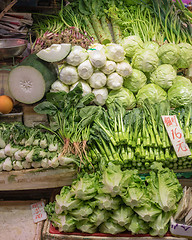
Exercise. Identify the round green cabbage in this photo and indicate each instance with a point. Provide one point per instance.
(180, 93)
(164, 76)
(180, 79)
(131, 44)
(185, 55)
(124, 95)
(151, 45)
(135, 81)
(169, 53)
(152, 92)
(145, 60)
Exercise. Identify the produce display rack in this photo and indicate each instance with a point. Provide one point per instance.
(47, 234)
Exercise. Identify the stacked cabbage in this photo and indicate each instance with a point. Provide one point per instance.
(100, 69)
(129, 72)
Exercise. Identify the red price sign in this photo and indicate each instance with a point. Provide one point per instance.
(176, 135)
(38, 211)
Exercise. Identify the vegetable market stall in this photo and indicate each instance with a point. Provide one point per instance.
(104, 88)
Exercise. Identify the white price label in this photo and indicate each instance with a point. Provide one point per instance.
(176, 135)
(38, 212)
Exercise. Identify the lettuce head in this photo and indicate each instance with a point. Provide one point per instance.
(145, 60)
(152, 92)
(164, 76)
(131, 44)
(180, 93)
(123, 95)
(185, 55)
(135, 81)
(169, 53)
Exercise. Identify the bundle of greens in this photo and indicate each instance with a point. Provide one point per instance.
(136, 138)
(114, 201)
(70, 120)
(24, 147)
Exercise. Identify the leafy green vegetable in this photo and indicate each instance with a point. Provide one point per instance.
(135, 81)
(137, 225)
(99, 216)
(122, 216)
(131, 44)
(86, 187)
(164, 76)
(180, 93)
(169, 53)
(86, 226)
(111, 179)
(110, 227)
(152, 92)
(125, 96)
(185, 55)
(145, 60)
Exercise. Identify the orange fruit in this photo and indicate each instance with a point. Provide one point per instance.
(6, 104)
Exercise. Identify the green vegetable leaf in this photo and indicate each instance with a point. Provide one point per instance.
(46, 108)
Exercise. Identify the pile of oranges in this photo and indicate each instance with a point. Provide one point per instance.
(6, 104)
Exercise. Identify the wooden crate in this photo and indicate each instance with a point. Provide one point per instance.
(46, 235)
(31, 118)
(17, 221)
(36, 178)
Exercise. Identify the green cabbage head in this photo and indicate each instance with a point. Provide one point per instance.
(164, 76)
(145, 60)
(135, 81)
(131, 44)
(185, 55)
(180, 93)
(169, 53)
(152, 92)
(124, 95)
(151, 45)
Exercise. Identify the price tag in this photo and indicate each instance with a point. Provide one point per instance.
(176, 135)
(38, 212)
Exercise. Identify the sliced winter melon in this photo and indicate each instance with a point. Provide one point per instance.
(55, 53)
(29, 82)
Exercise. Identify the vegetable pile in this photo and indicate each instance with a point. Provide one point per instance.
(136, 138)
(22, 147)
(114, 201)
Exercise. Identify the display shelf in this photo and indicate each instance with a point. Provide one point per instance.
(36, 179)
(47, 234)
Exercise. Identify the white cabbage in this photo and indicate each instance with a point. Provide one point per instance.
(114, 81)
(85, 70)
(58, 86)
(68, 75)
(97, 58)
(101, 96)
(77, 56)
(97, 80)
(85, 87)
(124, 69)
(115, 52)
(109, 67)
